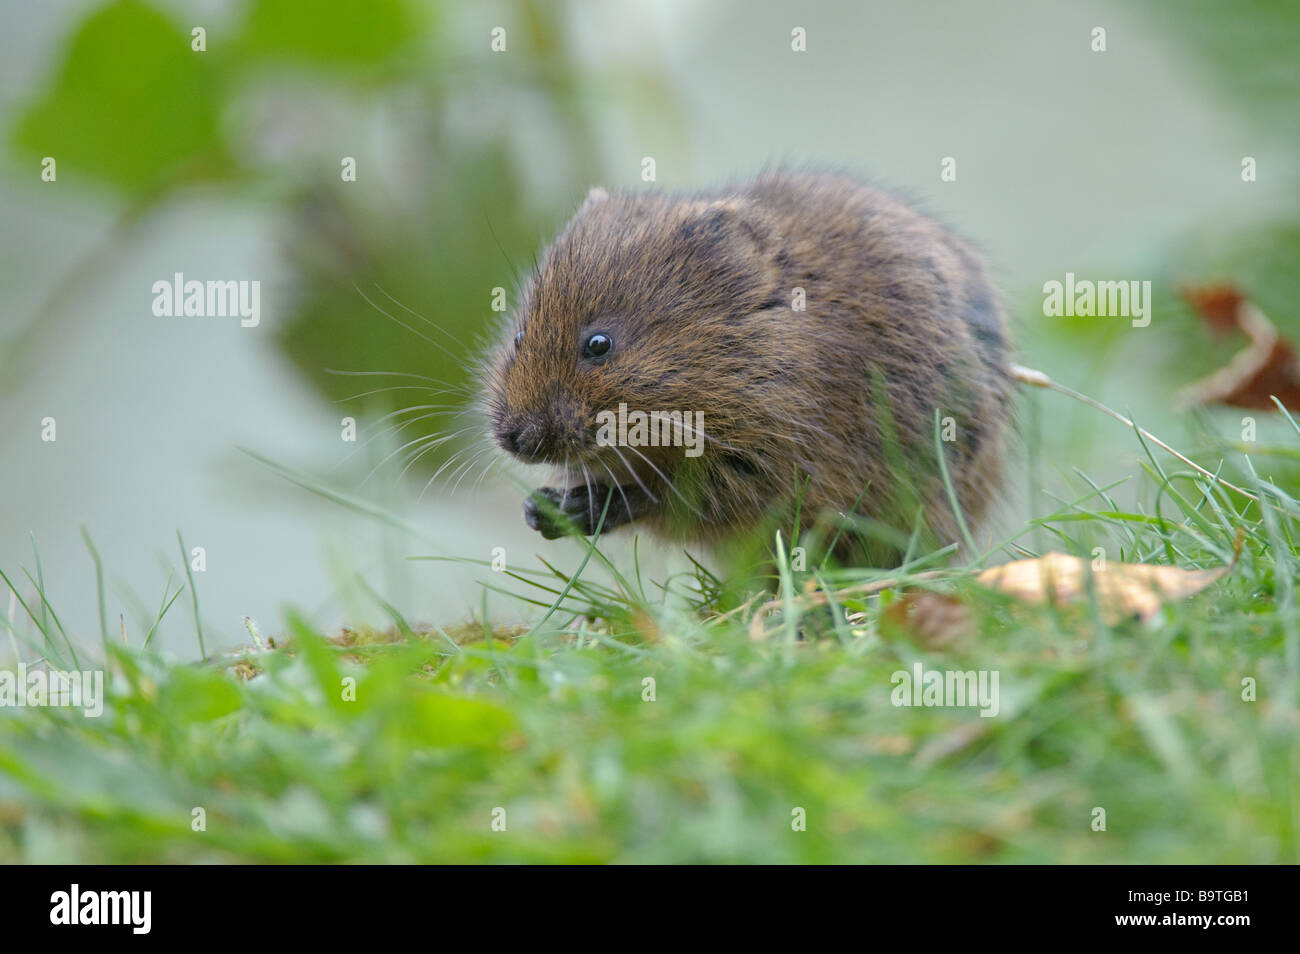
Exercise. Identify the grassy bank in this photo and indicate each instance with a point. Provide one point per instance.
(635, 722)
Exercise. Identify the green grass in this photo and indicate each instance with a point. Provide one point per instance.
(552, 722)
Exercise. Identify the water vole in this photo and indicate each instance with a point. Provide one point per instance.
(691, 303)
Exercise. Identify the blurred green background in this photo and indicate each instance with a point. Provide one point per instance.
(225, 164)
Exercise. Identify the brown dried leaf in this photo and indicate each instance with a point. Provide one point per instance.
(929, 619)
(1268, 367)
(1124, 590)
(1217, 304)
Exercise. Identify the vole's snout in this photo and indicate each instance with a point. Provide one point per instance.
(522, 436)
(538, 436)
(510, 437)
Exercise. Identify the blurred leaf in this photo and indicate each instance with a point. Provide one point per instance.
(131, 105)
(1266, 371)
(309, 31)
(442, 721)
(195, 695)
(439, 255)
(1123, 590)
(1259, 259)
(1250, 48)
(321, 660)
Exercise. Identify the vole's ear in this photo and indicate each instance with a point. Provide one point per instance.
(594, 197)
(725, 223)
(728, 247)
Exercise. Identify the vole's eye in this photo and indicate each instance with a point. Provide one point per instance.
(519, 340)
(597, 345)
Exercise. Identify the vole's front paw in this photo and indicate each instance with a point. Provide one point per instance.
(555, 513)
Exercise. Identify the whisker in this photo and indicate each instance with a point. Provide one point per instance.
(635, 476)
(492, 462)
(417, 455)
(692, 429)
(665, 479)
(392, 427)
(447, 463)
(586, 479)
(396, 374)
(433, 442)
(468, 468)
(412, 311)
(564, 496)
(488, 449)
(440, 439)
(396, 387)
(619, 487)
(437, 344)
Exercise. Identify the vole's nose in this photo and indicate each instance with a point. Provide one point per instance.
(534, 436)
(520, 436)
(509, 439)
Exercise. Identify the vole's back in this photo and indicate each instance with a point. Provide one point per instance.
(901, 321)
(817, 323)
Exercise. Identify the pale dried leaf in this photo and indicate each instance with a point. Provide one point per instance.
(1124, 590)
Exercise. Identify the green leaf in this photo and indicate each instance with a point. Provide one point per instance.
(320, 658)
(131, 105)
(194, 695)
(442, 721)
(426, 312)
(316, 33)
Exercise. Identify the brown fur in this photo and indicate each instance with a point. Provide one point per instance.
(696, 293)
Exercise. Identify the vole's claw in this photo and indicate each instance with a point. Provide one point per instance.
(556, 513)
